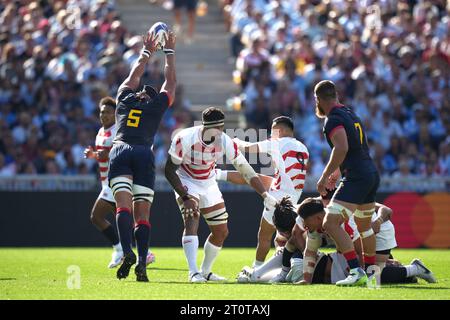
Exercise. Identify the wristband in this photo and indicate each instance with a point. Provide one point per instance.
(168, 51)
(221, 175)
(146, 53)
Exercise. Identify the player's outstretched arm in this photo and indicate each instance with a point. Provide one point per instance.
(236, 178)
(170, 172)
(340, 149)
(170, 83)
(134, 78)
(250, 176)
(245, 146)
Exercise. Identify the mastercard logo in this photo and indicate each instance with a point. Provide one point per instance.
(421, 220)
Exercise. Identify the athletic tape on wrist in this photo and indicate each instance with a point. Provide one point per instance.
(168, 51)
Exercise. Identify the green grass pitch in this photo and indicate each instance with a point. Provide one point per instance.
(41, 273)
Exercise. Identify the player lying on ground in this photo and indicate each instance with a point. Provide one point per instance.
(312, 211)
(289, 159)
(194, 153)
(290, 226)
(355, 195)
(132, 168)
(105, 203)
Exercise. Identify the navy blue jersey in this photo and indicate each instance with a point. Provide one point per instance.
(137, 120)
(358, 159)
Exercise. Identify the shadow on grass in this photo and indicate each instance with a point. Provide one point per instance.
(414, 287)
(210, 283)
(168, 269)
(7, 279)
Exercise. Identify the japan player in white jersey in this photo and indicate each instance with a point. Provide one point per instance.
(190, 169)
(105, 203)
(290, 159)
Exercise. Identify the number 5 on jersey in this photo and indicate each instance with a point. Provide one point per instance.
(359, 128)
(133, 118)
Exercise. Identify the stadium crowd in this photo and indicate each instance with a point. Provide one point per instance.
(57, 60)
(390, 60)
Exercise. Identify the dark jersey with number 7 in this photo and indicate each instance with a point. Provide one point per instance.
(137, 120)
(358, 160)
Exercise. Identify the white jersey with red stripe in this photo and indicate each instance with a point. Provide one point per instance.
(198, 160)
(104, 141)
(290, 158)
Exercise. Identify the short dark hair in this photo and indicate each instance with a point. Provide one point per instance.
(310, 207)
(325, 90)
(212, 114)
(284, 215)
(108, 101)
(150, 91)
(285, 121)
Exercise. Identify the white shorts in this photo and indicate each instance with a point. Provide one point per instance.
(106, 194)
(206, 191)
(386, 237)
(278, 194)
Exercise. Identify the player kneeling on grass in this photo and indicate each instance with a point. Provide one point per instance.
(194, 153)
(312, 212)
(278, 268)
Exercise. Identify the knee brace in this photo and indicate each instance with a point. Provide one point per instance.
(335, 208)
(216, 217)
(119, 184)
(364, 214)
(141, 193)
(367, 233)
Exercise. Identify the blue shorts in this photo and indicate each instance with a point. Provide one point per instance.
(358, 189)
(190, 5)
(133, 160)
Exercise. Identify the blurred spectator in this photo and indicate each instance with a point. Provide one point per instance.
(389, 59)
(191, 9)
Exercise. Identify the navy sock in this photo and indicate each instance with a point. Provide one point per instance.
(287, 255)
(111, 234)
(125, 225)
(394, 275)
(352, 259)
(297, 254)
(142, 235)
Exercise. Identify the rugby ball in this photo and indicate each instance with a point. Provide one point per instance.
(159, 31)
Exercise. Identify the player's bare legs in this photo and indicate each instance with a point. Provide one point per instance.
(191, 25)
(99, 212)
(190, 240)
(332, 225)
(98, 218)
(334, 217)
(363, 219)
(265, 233)
(219, 232)
(178, 21)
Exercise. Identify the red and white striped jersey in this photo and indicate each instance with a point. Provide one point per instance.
(198, 160)
(104, 141)
(290, 158)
